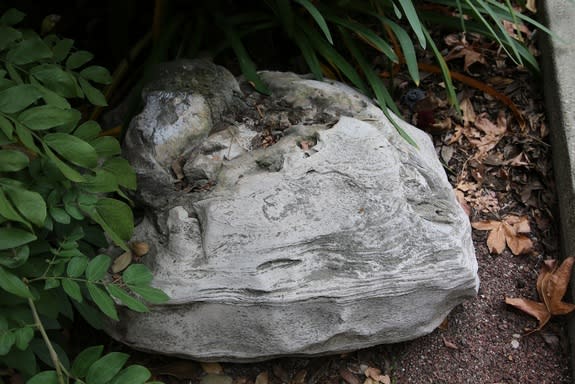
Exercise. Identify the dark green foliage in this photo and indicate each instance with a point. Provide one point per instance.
(54, 172)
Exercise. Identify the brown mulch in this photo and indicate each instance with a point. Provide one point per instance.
(499, 170)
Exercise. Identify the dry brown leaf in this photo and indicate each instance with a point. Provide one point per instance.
(554, 286)
(534, 308)
(214, 368)
(122, 262)
(531, 5)
(551, 285)
(496, 239)
(348, 377)
(375, 375)
(511, 232)
(262, 378)
(140, 248)
(467, 111)
(449, 344)
(299, 377)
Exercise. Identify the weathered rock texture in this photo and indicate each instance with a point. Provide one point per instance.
(299, 223)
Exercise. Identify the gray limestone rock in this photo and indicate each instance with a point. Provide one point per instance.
(298, 223)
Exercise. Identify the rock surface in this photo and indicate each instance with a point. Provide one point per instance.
(295, 224)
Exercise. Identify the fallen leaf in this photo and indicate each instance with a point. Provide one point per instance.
(449, 344)
(121, 262)
(214, 368)
(348, 377)
(375, 375)
(140, 248)
(551, 286)
(462, 49)
(299, 377)
(262, 378)
(511, 232)
(467, 111)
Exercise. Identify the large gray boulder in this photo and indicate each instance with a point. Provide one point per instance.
(296, 224)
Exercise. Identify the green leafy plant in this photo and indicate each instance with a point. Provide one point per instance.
(56, 176)
(338, 38)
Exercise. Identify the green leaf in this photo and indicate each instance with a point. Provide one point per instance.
(85, 359)
(72, 289)
(102, 181)
(56, 79)
(97, 267)
(25, 136)
(102, 301)
(73, 149)
(30, 204)
(151, 294)
(66, 170)
(23, 361)
(14, 237)
(7, 340)
(46, 377)
(134, 374)
(77, 266)
(52, 98)
(59, 215)
(6, 127)
(334, 58)
(90, 314)
(407, 48)
(93, 94)
(62, 49)
(137, 274)
(124, 172)
(14, 257)
(413, 19)
(17, 98)
(48, 116)
(97, 74)
(317, 16)
(51, 283)
(126, 299)
(12, 161)
(103, 370)
(13, 72)
(88, 131)
(118, 216)
(28, 51)
(8, 35)
(12, 16)
(23, 337)
(106, 146)
(77, 59)
(246, 63)
(451, 96)
(9, 212)
(370, 36)
(12, 284)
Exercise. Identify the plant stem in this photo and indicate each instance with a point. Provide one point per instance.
(53, 354)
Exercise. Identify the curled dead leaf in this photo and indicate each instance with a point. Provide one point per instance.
(140, 248)
(348, 377)
(121, 262)
(449, 344)
(262, 378)
(551, 286)
(374, 374)
(214, 368)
